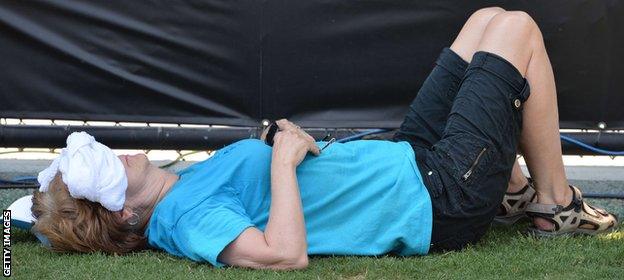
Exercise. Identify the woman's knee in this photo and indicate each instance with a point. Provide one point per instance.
(480, 19)
(513, 35)
(515, 23)
(485, 14)
(468, 39)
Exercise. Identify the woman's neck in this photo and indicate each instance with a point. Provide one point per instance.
(157, 184)
(169, 179)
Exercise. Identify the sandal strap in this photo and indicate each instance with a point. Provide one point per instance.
(578, 216)
(517, 202)
(551, 210)
(540, 209)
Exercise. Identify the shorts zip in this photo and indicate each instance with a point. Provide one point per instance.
(474, 164)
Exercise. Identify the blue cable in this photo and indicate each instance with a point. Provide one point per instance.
(20, 183)
(563, 137)
(360, 135)
(591, 148)
(25, 178)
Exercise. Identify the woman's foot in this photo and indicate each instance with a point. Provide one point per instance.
(578, 217)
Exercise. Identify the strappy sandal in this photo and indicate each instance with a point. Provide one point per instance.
(513, 206)
(577, 218)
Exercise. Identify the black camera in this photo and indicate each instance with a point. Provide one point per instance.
(271, 133)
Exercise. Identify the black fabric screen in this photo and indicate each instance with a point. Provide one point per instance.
(320, 63)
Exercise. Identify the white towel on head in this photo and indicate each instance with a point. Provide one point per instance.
(90, 170)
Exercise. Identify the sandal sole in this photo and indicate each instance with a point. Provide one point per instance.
(548, 234)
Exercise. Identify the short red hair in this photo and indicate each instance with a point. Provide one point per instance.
(79, 225)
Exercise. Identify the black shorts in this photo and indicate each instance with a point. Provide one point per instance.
(464, 126)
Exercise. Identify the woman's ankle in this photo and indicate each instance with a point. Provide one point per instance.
(562, 197)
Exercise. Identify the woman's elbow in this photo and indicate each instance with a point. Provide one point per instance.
(295, 263)
(302, 262)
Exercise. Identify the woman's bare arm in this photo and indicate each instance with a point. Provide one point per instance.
(283, 243)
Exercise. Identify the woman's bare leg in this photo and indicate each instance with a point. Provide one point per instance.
(469, 37)
(517, 180)
(516, 37)
(465, 45)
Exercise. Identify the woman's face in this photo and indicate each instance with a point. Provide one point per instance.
(136, 170)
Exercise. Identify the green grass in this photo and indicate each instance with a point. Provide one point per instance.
(505, 253)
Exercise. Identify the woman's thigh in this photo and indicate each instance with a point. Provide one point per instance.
(425, 121)
(426, 118)
(467, 171)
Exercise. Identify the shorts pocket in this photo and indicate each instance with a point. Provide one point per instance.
(465, 157)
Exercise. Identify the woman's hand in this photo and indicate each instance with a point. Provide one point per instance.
(283, 243)
(291, 144)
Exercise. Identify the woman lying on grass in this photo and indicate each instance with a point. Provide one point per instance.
(450, 171)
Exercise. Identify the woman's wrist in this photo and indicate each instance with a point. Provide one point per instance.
(283, 164)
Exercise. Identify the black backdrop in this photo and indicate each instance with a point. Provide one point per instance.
(321, 63)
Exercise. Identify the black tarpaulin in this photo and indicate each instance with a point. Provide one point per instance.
(320, 63)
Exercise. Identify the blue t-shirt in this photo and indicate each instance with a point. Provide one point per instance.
(359, 198)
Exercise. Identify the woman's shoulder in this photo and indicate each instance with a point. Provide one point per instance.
(252, 142)
(244, 145)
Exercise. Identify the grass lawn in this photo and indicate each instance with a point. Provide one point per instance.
(505, 253)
